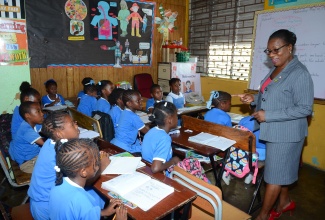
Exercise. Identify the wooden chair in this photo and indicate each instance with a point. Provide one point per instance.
(208, 204)
(85, 121)
(21, 212)
(244, 141)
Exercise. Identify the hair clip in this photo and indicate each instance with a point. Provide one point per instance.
(100, 83)
(64, 141)
(57, 169)
(214, 95)
(91, 82)
(165, 104)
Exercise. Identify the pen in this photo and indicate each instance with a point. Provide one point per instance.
(114, 217)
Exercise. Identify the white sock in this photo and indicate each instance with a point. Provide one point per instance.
(248, 178)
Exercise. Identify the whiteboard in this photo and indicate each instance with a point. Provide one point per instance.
(308, 23)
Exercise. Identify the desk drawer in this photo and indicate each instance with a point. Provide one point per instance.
(164, 71)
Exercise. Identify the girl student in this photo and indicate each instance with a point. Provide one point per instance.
(222, 104)
(156, 146)
(25, 147)
(157, 96)
(77, 161)
(88, 102)
(130, 124)
(117, 105)
(175, 96)
(53, 98)
(85, 82)
(105, 88)
(27, 93)
(56, 126)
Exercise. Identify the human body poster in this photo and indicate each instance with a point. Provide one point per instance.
(13, 42)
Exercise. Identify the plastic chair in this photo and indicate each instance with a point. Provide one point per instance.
(209, 203)
(142, 83)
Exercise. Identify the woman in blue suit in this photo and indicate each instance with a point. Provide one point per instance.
(284, 101)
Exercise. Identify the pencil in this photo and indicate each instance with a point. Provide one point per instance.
(114, 217)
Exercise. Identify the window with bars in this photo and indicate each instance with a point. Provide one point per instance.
(221, 34)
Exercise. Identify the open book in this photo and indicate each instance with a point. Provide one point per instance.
(139, 189)
(84, 133)
(122, 165)
(211, 140)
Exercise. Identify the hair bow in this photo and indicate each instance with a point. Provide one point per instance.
(57, 169)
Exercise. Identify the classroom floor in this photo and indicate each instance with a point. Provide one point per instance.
(308, 192)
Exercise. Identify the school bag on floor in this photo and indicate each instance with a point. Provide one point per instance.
(237, 163)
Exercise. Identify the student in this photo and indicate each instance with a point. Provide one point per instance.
(105, 88)
(77, 161)
(222, 104)
(175, 96)
(88, 102)
(117, 105)
(27, 93)
(27, 143)
(130, 124)
(53, 98)
(156, 146)
(156, 94)
(85, 82)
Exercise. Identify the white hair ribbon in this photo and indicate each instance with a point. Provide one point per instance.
(64, 141)
(57, 169)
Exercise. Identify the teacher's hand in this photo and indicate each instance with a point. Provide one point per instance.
(245, 98)
(259, 115)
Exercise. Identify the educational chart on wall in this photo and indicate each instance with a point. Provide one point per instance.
(113, 33)
(12, 9)
(272, 4)
(13, 42)
(308, 25)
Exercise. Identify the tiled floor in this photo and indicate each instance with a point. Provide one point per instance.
(308, 192)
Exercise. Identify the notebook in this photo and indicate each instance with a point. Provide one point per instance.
(128, 154)
(139, 189)
(211, 140)
(84, 133)
(122, 165)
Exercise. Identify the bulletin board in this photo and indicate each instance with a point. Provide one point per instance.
(307, 22)
(115, 33)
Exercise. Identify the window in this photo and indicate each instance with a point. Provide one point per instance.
(221, 34)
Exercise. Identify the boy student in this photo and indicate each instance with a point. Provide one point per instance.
(88, 102)
(175, 96)
(27, 144)
(53, 98)
(157, 95)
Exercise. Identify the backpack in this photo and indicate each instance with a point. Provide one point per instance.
(106, 124)
(237, 163)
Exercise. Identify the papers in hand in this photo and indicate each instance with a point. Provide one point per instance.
(84, 133)
(139, 189)
(122, 165)
(211, 140)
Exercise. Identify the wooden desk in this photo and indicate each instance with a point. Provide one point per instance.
(244, 140)
(181, 196)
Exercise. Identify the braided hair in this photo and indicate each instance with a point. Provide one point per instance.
(161, 111)
(26, 90)
(223, 97)
(116, 94)
(53, 121)
(128, 95)
(73, 155)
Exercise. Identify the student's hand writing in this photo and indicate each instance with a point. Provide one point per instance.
(121, 213)
(245, 98)
(112, 207)
(259, 115)
(104, 160)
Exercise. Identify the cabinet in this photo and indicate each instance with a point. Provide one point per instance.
(164, 75)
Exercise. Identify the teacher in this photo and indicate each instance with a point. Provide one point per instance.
(283, 102)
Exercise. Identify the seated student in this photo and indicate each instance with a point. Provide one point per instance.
(85, 82)
(78, 161)
(88, 102)
(57, 126)
(156, 94)
(117, 105)
(222, 104)
(130, 124)
(53, 98)
(156, 146)
(27, 143)
(105, 88)
(27, 93)
(175, 96)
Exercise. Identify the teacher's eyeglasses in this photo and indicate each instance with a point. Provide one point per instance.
(274, 51)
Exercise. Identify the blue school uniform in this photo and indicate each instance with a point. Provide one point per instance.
(43, 180)
(218, 116)
(80, 94)
(23, 147)
(46, 100)
(103, 105)
(126, 134)
(178, 100)
(150, 103)
(156, 145)
(248, 122)
(71, 201)
(115, 114)
(87, 105)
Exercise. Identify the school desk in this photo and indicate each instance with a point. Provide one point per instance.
(244, 140)
(178, 199)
